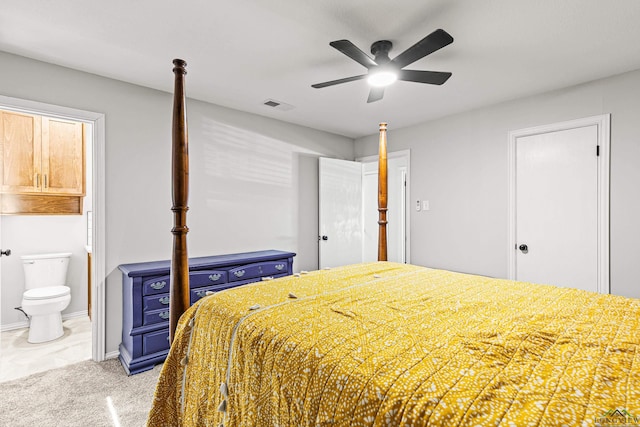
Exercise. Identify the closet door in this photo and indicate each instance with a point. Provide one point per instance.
(560, 204)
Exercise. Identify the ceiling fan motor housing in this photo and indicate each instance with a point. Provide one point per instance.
(380, 50)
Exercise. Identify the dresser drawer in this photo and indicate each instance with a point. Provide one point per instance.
(155, 302)
(156, 285)
(198, 293)
(154, 342)
(259, 269)
(155, 316)
(206, 278)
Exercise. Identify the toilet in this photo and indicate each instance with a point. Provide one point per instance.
(46, 295)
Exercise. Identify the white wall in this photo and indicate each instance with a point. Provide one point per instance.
(460, 164)
(247, 172)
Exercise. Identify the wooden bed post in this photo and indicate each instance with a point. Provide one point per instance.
(382, 194)
(179, 297)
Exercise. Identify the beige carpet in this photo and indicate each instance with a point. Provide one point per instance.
(84, 394)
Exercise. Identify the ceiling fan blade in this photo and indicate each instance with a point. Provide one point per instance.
(434, 41)
(353, 52)
(375, 94)
(430, 77)
(337, 82)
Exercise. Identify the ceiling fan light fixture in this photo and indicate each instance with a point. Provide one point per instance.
(382, 78)
(383, 71)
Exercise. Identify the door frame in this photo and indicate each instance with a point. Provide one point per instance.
(98, 315)
(603, 123)
(407, 220)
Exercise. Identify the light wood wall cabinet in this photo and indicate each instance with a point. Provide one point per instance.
(42, 164)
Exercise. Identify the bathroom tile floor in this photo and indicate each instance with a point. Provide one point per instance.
(18, 358)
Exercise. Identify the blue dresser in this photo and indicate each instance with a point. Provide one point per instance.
(145, 297)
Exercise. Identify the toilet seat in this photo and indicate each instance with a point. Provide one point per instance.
(46, 293)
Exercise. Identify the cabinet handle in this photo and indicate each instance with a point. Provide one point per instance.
(37, 180)
(158, 285)
(238, 273)
(214, 277)
(201, 294)
(45, 181)
(164, 300)
(164, 315)
(279, 267)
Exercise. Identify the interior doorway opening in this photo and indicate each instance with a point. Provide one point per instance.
(348, 209)
(96, 123)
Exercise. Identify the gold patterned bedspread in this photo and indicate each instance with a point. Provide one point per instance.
(385, 344)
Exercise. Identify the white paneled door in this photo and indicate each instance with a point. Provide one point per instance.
(340, 212)
(557, 207)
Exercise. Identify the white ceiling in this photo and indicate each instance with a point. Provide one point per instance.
(243, 52)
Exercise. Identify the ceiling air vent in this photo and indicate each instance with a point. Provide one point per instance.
(278, 105)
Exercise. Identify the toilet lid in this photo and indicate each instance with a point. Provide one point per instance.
(48, 292)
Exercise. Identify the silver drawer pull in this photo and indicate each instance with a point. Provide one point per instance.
(164, 315)
(238, 273)
(158, 285)
(164, 300)
(214, 277)
(279, 267)
(201, 294)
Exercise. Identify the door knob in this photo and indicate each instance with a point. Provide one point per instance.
(5, 252)
(523, 248)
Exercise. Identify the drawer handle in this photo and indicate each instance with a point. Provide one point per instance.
(164, 300)
(238, 273)
(279, 267)
(214, 277)
(164, 315)
(201, 294)
(158, 285)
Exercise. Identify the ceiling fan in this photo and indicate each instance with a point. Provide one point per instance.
(382, 71)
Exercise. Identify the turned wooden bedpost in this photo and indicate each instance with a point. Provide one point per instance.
(382, 194)
(179, 299)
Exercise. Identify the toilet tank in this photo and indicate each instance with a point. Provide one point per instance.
(45, 270)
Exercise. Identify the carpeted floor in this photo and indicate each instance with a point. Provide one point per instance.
(84, 394)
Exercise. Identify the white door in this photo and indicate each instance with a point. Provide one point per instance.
(340, 212)
(557, 207)
(3, 252)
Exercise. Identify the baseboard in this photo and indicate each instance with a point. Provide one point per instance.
(112, 355)
(25, 323)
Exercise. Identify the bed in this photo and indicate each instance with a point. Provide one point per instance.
(387, 344)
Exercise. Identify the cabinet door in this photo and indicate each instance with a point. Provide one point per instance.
(62, 156)
(20, 150)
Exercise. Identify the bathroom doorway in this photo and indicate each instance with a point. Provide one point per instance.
(88, 237)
